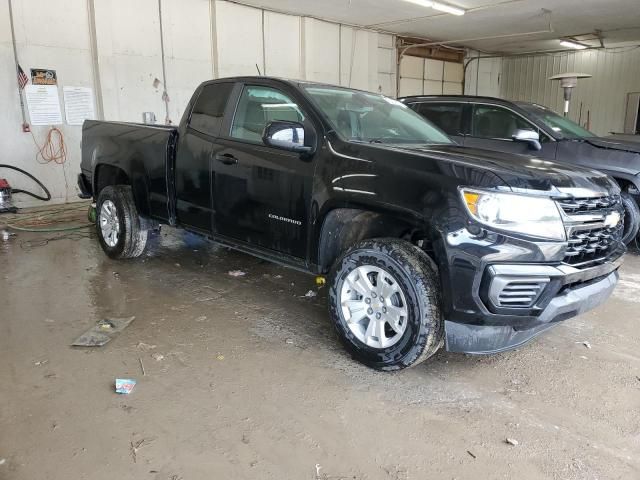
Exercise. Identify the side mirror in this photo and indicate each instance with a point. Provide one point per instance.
(529, 136)
(286, 136)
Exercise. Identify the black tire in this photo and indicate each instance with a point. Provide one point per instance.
(631, 218)
(417, 276)
(132, 238)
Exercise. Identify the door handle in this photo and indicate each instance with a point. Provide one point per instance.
(227, 159)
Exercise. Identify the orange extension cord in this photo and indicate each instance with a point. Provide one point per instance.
(53, 149)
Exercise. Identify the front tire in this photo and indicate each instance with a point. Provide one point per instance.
(384, 300)
(631, 218)
(118, 224)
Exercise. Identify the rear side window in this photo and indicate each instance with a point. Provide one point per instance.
(259, 106)
(208, 111)
(496, 122)
(447, 116)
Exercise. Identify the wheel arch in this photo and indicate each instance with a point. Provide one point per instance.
(343, 227)
(106, 174)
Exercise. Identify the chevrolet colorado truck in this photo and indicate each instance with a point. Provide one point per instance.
(529, 128)
(424, 243)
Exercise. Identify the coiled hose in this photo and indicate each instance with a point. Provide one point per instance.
(34, 195)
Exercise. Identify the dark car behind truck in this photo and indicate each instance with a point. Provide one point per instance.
(529, 128)
(424, 242)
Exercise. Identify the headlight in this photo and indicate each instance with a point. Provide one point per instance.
(527, 215)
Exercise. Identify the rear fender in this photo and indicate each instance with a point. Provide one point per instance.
(106, 175)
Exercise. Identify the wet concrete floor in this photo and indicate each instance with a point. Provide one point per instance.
(246, 380)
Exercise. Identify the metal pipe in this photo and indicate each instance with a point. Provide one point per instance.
(93, 43)
(165, 95)
(25, 125)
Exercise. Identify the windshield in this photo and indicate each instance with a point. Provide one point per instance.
(367, 117)
(561, 125)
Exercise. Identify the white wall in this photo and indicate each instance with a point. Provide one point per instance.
(483, 76)
(602, 97)
(49, 35)
(201, 38)
(426, 76)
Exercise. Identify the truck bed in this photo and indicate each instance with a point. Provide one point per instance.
(145, 151)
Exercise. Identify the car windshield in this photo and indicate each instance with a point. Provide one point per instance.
(368, 117)
(561, 125)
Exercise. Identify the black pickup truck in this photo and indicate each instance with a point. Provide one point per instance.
(532, 129)
(424, 242)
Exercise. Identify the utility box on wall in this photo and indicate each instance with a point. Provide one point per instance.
(632, 118)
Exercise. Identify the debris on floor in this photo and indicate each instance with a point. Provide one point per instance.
(158, 357)
(310, 294)
(41, 362)
(585, 343)
(137, 446)
(102, 332)
(237, 273)
(125, 385)
(511, 441)
(471, 454)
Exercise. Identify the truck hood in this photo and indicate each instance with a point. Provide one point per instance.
(520, 172)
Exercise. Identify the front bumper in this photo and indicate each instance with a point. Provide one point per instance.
(500, 292)
(487, 339)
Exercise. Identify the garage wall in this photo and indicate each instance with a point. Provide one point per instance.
(64, 46)
(603, 97)
(482, 76)
(203, 39)
(426, 76)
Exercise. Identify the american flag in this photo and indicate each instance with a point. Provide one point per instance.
(22, 78)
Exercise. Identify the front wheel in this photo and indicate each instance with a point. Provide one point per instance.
(631, 218)
(118, 224)
(384, 300)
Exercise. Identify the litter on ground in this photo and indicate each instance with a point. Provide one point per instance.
(125, 385)
(102, 332)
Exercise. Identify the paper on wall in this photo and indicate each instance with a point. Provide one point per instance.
(78, 104)
(44, 104)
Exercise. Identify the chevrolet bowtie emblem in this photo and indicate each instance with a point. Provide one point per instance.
(612, 219)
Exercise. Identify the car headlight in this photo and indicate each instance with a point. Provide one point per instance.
(524, 214)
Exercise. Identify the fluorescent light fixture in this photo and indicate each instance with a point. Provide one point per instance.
(422, 3)
(570, 44)
(443, 7)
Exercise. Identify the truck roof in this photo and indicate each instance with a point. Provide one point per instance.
(291, 81)
(470, 98)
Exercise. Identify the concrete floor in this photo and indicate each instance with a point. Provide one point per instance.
(246, 380)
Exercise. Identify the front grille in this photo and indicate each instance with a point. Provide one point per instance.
(520, 293)
(572, 206)
(590, 239)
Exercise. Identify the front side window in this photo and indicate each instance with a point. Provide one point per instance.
(447, 116)
(208, 110)
(496, 122)
(367, 117)
(564, 127)
(259, 106)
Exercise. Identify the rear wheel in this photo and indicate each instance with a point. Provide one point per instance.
(631, 218)
(384, 300)
(118, 224)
